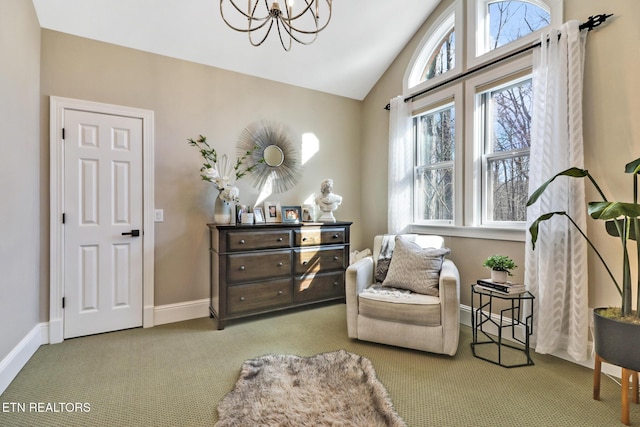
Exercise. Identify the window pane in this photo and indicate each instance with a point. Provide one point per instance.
(509, 181)
(511, 117)
(435, 145)
(511, 20)
(443, 57)
(436, 136)
(507, 152)
(434, 194)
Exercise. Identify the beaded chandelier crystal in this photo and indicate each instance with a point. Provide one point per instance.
(293, 22)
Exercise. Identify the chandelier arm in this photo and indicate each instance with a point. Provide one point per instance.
(246, 30)
(245, 14)
(286, 49)
(291, 35)
(262, 21)
(265, 35)
(304, 10)
(317, 30)
(308, 7)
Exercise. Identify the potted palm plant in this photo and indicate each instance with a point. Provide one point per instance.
(616, 330)
(501, 266)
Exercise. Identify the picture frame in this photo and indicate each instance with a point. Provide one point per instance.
(307, 213)
(272, 212)
(240, 209)
(258, 215)
(291, 214)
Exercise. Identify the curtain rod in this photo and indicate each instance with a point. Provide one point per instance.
(591, 23)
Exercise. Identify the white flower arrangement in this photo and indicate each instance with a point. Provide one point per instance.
(220, 172)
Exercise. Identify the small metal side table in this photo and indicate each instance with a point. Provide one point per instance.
(510, 318)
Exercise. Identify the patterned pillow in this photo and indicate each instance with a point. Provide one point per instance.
(415, 268)
(384, 259)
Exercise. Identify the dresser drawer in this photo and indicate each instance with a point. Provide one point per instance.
(258, 296)
(312, 236)
(253, 240)
(255, 266)
(314, 260)
(318, 287)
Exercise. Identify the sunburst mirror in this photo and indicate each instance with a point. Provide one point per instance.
(272, 155)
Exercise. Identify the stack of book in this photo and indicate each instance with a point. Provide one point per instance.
(504, 288)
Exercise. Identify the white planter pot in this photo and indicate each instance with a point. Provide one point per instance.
(498, 276)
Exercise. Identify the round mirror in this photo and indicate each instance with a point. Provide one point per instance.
(273, 156)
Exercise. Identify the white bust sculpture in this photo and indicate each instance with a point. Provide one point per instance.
(327, 201)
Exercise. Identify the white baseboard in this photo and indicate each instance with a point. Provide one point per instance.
(181, 311)
(20, 355)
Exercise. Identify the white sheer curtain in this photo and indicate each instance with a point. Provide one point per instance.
(556, 272)
(400, 167)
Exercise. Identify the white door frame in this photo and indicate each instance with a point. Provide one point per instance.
(58, 105)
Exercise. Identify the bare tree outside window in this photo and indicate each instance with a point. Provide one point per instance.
(511, 20)
(509, 137)
(443, 57)
(434, 169)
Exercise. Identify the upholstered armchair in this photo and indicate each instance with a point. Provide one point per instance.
(426, 320)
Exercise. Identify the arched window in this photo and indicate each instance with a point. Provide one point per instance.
(472, 136)
(439, 52)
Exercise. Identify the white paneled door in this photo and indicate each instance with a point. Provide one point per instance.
(103, 218)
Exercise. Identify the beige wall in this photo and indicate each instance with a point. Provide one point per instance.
(611, 135)
(190, 99)
(20, 173)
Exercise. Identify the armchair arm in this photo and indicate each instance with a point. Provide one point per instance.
(358, 277)
(450, 306)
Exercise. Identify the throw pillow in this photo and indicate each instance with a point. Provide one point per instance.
(384, 259)
(415, 268)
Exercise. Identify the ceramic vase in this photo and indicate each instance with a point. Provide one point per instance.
(221, 211)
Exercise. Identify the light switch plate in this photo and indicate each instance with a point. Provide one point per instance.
(159, 215)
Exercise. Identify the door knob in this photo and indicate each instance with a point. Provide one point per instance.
(132, 233)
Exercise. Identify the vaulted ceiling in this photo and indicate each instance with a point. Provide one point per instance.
(349, 56)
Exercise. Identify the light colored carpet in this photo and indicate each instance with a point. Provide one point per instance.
(175, 375)
(330, 389)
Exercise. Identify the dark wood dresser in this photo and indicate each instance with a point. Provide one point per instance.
(267, 267)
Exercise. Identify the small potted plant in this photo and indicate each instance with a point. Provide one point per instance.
(501, 266)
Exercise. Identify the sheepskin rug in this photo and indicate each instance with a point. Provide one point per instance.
(329, 389)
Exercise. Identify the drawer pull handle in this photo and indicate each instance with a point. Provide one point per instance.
(305, 262)
(335, 258)
(241, 298)
(279, 239)
(280, 264)
(335, 284)
(335, 236)
(279, 292)
(242, 241)
(304, 239)
(242, 268)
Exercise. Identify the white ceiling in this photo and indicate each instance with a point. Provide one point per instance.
(349, 56)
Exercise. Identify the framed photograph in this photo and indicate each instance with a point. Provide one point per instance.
(272, 212)
(240, 209)
(307, 213)
(291, 214)
(258, 214)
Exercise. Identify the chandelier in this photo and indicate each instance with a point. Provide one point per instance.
(300, 23)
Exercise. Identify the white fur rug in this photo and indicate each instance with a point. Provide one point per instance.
(329, 389)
